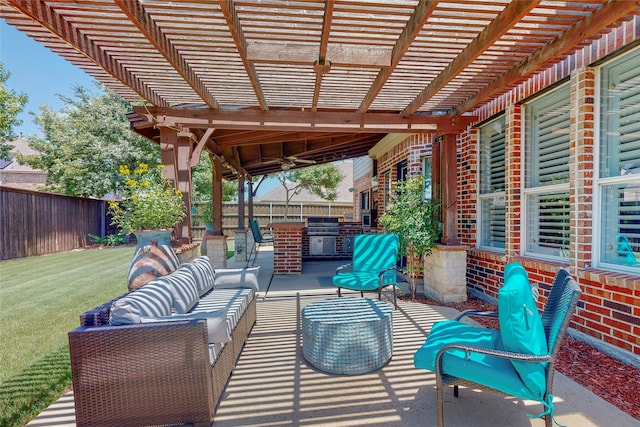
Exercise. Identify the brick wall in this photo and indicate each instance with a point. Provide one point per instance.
(610, 306)
(287, 248)
(609, 309)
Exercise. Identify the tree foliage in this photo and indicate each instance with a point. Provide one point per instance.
(201, 177)
(86, 142)
(11, 104)
(321, 180)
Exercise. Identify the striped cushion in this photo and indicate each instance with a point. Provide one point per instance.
(216, 323)
(152, 300)
(203, 273)
(183, 288)
(232, 278)
(214, 351)
(235, 301)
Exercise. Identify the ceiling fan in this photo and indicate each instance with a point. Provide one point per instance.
(288, 162)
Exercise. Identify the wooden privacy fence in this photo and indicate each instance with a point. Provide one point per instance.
(266, 212)
(35, 223)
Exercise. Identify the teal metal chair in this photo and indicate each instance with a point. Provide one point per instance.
(479, 358)
(373, 265)
(625, 251)
(259, 238)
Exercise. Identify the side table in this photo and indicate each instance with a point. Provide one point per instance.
(348, 336)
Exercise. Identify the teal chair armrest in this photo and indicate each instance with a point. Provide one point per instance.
(477, 313)
(344, 268)
(510, 355)
(501, 376)
(381, 273)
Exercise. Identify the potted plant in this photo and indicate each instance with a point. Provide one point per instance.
(150, 208)
(149, 201)
(415, 221)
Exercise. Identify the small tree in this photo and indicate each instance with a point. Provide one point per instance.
(321, 180)
(415, 221)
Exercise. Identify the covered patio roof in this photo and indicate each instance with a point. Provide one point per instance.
(270, 82)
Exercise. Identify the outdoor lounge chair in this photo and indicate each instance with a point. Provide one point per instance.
(258, 239)
(373, 266)
(519, 359)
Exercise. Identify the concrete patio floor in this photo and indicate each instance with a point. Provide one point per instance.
(273, 385)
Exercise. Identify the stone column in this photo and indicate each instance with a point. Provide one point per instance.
(445, 274)
(240, 252)
(215, 248)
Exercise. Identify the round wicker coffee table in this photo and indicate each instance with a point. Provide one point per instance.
(348, 336)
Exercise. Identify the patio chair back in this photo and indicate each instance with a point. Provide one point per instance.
(258, 237)
(375, 253)
(557, 313)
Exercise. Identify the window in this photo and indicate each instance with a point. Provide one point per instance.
(426, 178)
(492, 184)
(619, 175)
(547, 174)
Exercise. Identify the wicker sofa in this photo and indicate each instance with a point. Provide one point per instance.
(134, 364)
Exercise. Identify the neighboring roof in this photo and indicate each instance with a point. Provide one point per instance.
(344, 195)
(19, 146)
(257, 80)
(16, 175)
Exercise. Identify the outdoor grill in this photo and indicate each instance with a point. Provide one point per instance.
(323, 226)
(322, 232)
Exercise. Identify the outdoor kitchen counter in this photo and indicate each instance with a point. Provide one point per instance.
(287, 247)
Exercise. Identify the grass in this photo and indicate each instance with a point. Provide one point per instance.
(40, 301)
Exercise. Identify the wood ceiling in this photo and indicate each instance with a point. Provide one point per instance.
(318, 80)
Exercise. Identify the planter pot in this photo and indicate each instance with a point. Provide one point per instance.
(153, 257)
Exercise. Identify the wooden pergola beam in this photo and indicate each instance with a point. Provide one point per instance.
(423, 11)
(591, 25)
(144, 22)
(230, 14)
(502, 23)
(48, 18)
(304, 121)
(322, 55)
(275, 137)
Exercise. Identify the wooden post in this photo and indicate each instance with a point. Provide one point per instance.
(216, 183)
(449, 190)
(176, 157)
(240, 202)
(183, 175)
(250, 192)
(436, 182)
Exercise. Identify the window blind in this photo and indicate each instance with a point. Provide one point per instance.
(492, 183)
(492, 159)
(548, 139)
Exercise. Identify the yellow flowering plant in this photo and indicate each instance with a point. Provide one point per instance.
(149, 201)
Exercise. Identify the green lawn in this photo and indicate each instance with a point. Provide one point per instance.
(40, 301)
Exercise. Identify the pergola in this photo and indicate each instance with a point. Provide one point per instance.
(265, 85)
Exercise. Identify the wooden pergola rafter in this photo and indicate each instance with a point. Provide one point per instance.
(316, 79)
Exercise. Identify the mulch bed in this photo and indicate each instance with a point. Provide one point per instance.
(607, 377)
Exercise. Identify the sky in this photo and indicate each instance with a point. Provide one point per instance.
(41, 75)
(38, 73)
